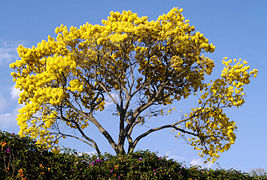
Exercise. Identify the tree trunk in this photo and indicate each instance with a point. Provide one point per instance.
(120, 150)
(130, 150)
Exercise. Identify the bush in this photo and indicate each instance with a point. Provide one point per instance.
(20, 158)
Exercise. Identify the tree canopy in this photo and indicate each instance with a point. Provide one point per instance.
(146, 64)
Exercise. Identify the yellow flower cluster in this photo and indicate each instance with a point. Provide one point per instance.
(215, 131)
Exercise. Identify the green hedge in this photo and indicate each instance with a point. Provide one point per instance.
(20, 158)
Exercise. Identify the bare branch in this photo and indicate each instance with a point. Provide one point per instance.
(94, 145)
(141, 108)
(157, 129)
(195, 114)
(79, 128)
(98, 125)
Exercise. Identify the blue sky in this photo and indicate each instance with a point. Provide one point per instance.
(237, 28)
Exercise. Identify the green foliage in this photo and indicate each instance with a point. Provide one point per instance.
(21, 159)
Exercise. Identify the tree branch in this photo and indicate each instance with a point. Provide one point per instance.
(94, 145)
(141, 108)
(98, 125)
(81, 131)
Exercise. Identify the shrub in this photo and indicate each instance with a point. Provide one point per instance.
(21, 159)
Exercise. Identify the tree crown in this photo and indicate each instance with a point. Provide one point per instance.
(146, 63)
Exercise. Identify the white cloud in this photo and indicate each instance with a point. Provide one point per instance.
(7, 115)
(3, 103)
(199, 162)
(90, 153)
(210, 165)
(14, 93)
(196, 162)
(4, 117)
(175, 157)
(8, 120)
(8, 52)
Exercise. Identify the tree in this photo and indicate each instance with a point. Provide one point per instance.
(259, 172)
(148, 64)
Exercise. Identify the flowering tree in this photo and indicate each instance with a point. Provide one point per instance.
(148, 64)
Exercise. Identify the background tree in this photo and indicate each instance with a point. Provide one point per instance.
(148, 64)
(259, 172)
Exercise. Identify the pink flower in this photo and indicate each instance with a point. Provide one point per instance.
(93, 163)
(98, 160)
(8, 150)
